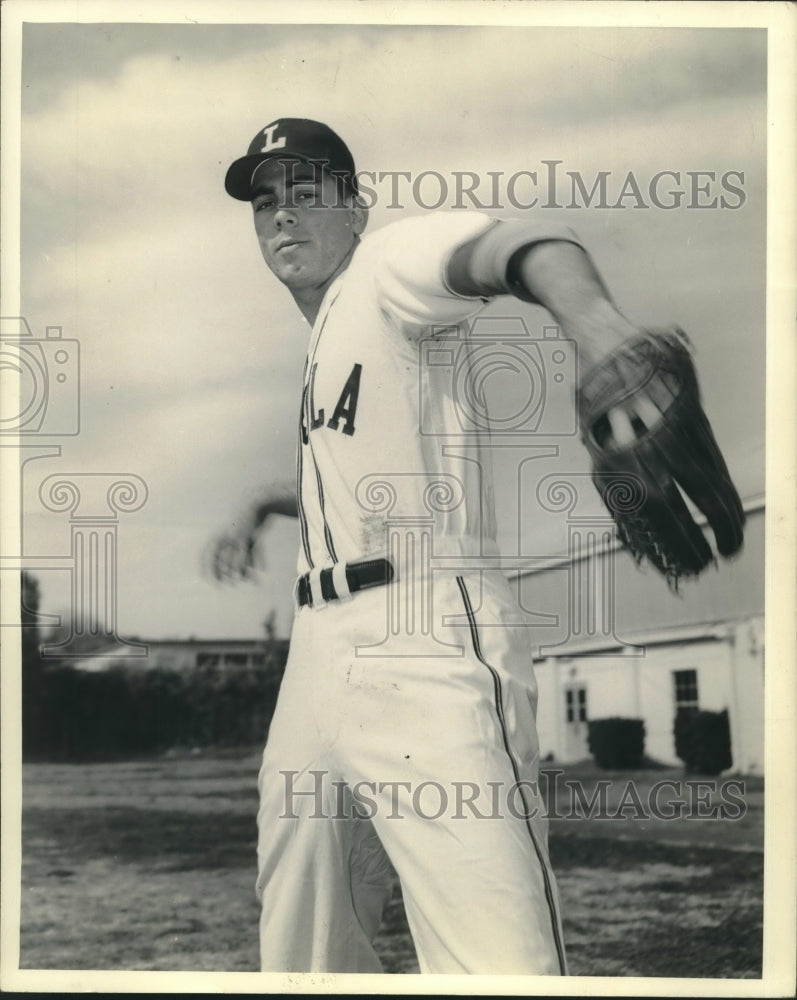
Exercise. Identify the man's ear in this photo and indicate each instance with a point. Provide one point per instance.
(359, 216)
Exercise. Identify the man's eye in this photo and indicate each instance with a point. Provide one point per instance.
(265, 204)
(304, 197)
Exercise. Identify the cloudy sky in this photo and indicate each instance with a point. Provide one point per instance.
(191, 354)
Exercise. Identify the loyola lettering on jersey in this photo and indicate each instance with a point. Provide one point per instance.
(345, 408)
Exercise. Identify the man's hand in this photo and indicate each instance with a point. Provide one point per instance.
(235, 554)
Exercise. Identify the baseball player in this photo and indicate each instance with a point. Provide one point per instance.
(412, 746)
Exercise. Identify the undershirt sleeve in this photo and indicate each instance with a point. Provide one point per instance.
(485, 264)
(441, 269)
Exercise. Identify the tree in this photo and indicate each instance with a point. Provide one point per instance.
(270, 625)
(33, 698)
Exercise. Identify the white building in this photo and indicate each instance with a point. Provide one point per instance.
(614, 640)
(185, 655)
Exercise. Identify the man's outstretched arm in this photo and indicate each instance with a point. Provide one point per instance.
(561, 277)
(550, 268)
(639, 403)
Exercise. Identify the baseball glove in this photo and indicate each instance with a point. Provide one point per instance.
(649, 386)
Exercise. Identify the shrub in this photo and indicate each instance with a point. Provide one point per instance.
(703, 741)
(126, 711)
(617, 743)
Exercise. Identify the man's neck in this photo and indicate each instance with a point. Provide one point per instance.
(309, 299)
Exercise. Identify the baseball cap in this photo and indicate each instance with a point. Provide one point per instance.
(291, 139)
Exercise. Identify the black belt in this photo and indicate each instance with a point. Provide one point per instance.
(359, 576)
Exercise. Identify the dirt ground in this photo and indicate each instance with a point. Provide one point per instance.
(149, 865)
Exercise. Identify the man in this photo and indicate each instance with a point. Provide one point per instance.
(416, 752)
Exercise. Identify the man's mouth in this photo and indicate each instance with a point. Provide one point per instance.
(287, 244)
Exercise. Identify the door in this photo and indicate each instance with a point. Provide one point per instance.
(576, 722)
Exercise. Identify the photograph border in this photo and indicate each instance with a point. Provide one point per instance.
(780, 872)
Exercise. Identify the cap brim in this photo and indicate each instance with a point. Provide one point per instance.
(238, 182)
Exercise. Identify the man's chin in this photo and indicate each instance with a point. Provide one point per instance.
(291, 275)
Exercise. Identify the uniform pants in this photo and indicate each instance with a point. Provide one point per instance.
(418, 753)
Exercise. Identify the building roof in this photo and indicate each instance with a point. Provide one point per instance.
(642, 602)
(181, 654)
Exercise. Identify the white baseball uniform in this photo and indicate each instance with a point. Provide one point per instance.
(404, 735)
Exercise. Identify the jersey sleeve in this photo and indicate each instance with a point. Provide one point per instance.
(410, 269)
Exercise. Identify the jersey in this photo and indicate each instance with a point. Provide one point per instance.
(382, 402)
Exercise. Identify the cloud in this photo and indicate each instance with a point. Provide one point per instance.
(191, 351)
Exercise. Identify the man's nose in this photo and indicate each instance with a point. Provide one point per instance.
(284, 216)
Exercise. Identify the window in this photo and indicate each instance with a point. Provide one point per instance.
(207, 659)
(235, 659)
(685, 683)
(576, 704)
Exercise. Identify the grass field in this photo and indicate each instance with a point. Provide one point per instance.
(149, 865)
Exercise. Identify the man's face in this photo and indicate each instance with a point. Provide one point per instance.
(304, 227)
